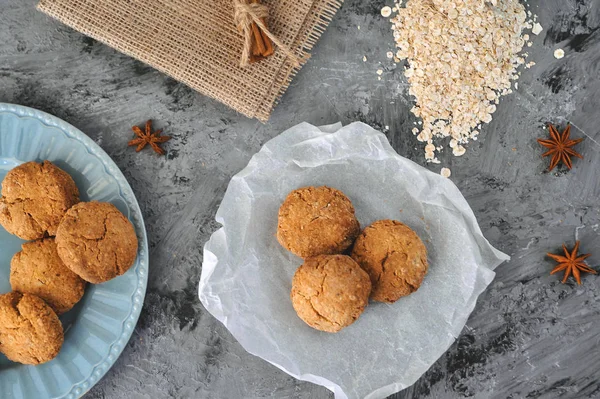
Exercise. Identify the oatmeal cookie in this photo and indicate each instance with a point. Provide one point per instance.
(30, 331)
(329, 292)
(34, 199)
(38, 270)
(395, 258)
(315, 221)
(96, 241)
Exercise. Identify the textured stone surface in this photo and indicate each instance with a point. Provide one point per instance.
(529, 336)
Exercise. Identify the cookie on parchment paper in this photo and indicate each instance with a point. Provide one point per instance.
(316, 221)
(395, 258)
(329, 292)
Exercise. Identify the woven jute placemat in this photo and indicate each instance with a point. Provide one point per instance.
(197, 42)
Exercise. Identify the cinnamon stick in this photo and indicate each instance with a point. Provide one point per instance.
(259, 45)
(268, 43)
(262, 46)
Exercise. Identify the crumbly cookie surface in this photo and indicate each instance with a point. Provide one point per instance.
(38, 270)
(34, 199)
(315, 221)
(395, 258)
(30, 331)
(96, 241)
(329, 292)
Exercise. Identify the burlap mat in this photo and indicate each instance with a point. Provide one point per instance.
(197, 42)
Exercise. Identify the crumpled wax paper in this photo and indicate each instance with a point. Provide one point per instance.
(246, 275)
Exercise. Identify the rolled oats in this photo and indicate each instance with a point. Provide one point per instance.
(462, 57)
(537, 29)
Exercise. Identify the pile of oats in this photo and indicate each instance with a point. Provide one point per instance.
(462, 57)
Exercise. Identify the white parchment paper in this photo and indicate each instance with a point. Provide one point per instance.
(246, 274)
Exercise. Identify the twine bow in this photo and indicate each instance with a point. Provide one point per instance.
(245, 14)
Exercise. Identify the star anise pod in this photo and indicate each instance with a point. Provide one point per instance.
(560, 147)
(148, 137)
(571, 263)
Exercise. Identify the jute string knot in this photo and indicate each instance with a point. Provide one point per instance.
(245, 14)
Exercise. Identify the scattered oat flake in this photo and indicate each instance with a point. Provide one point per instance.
(386, 11)
(445, 172)
(390, 54)
(365, 58)
(358, 27)
(537, 29)
(459, 151)
(559, 53)
(380, 72)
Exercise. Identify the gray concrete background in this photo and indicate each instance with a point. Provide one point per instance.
(529, 336)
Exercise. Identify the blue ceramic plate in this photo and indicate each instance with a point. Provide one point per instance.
(98, 328)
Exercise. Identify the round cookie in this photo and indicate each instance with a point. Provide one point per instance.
(329, 292)
(30, 331)
(96, 241)
(38, 270)
(315, 221)
(395, 258)
(34, 199)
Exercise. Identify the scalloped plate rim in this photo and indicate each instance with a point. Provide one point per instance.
(72, 133)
